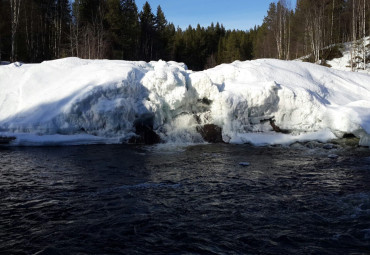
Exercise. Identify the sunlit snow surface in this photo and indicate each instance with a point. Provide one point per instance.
(75, 101)
(344, 62)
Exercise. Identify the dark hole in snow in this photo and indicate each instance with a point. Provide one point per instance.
(205, 100)
(349, 136)
(144, 131)
(211, 133)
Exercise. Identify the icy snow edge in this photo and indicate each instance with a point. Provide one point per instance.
(74, 101)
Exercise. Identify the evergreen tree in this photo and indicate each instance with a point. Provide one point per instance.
(5, 32)
(114, 18)
(123, 23)
(161, 39)
(62, 21)
(160, 20)
(48, 29)
(147, 24)
(131, 30)
(169, 34)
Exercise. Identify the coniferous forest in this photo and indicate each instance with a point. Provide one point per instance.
(37, 30)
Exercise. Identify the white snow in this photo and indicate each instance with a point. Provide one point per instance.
(75, 101)
(272, 138)
(344, 63)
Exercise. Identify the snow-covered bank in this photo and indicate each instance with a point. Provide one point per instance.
(72, 101)
(344, 62)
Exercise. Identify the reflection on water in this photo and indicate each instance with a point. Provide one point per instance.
(196, 199)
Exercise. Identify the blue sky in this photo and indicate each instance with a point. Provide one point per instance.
(233, 14)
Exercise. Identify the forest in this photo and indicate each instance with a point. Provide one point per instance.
(38, 30)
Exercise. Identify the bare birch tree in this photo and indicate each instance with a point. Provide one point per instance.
(332, 23)
(14, 15)
(353, 34)
(364, 33)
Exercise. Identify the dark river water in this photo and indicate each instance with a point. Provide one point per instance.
(121, 199)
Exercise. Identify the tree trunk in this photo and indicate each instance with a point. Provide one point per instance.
(14, 15)
(332, 24)
(71, 38)
(364, 34)
(0, 49)
(353, 33)
(288, 40)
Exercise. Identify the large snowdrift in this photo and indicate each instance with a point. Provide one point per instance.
(74, 101)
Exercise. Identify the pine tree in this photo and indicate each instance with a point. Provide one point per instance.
(90, 28)
(160, 20)
(131, 30)
(114, 18)
(147, 24)
(4, 30)
(161, 39)
(170, 33)
(15, 6)
(62, 22)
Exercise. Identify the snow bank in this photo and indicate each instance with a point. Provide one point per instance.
(75, 101)
(344, 63)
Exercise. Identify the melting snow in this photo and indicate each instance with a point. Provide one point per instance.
(75, 101)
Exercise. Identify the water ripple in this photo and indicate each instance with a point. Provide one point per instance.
(198, 200)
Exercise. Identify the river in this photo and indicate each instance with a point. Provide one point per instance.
(126, 199)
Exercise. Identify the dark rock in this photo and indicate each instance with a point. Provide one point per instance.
(244, 163)
(328, 146)
(144, 131)
(310, 145)
(211, 133)
(333, 156)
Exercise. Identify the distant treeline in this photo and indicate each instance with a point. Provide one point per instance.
(37, 30)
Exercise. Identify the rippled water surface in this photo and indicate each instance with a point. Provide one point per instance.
(198, 200)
